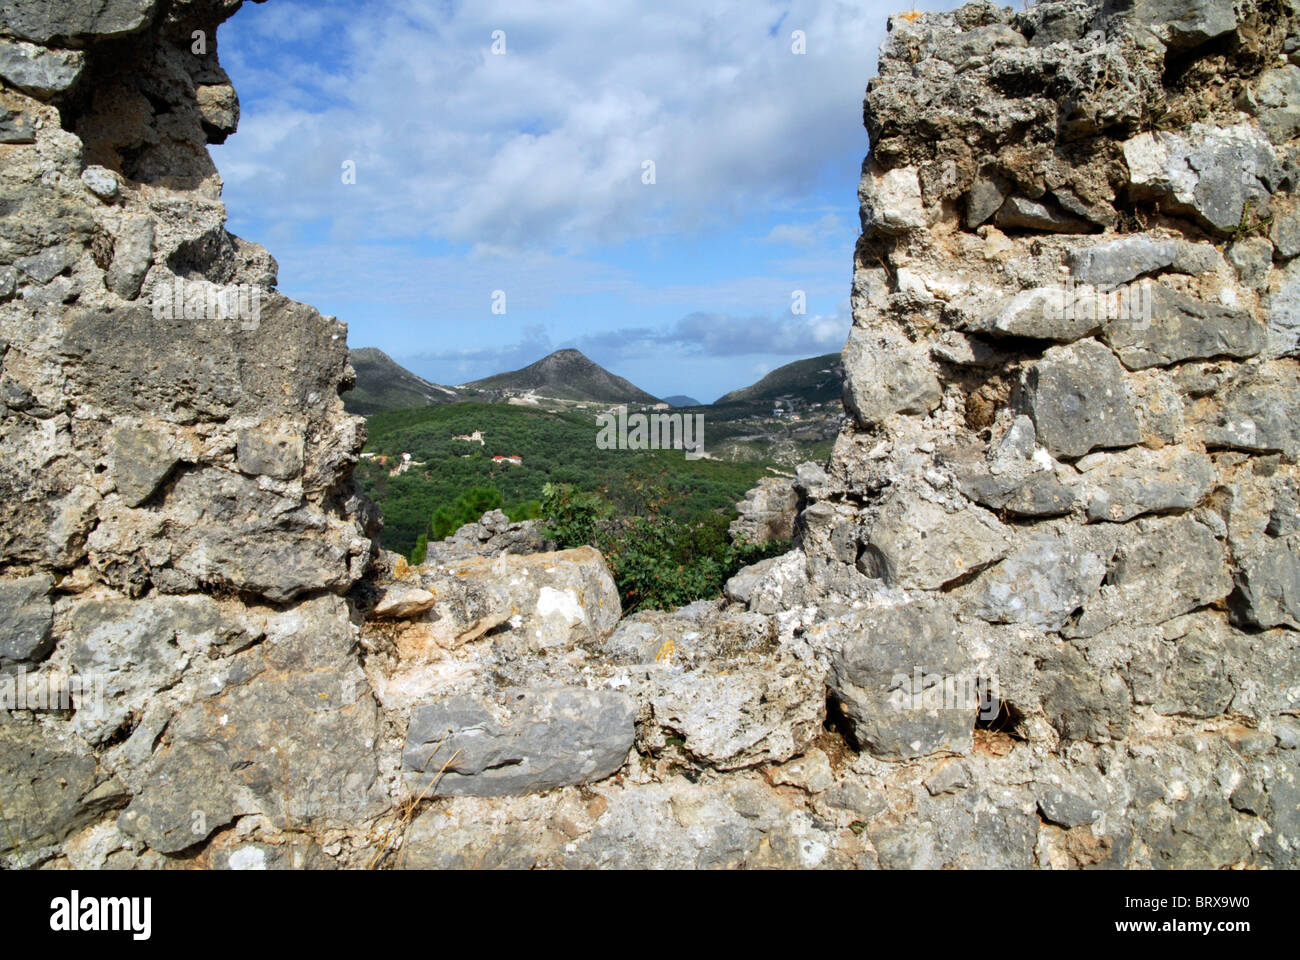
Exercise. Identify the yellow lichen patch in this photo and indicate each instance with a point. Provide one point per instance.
(912, 16)
(665, 654)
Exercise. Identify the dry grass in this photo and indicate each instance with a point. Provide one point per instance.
(392, 840)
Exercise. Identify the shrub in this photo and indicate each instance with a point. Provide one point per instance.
(657, 559)
(466, 508)
(421, 550)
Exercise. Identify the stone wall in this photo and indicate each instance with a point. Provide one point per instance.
(179, 520)
(1075, 398)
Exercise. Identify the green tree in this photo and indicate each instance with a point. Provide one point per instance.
(466, 508)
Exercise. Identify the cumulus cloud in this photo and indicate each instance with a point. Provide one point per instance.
(727, 335)
(545, 144)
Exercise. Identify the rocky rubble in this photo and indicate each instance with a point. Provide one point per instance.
(1041, 607)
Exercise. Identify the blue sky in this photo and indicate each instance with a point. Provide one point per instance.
(523, 171)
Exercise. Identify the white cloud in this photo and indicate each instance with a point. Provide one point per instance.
(543, 146)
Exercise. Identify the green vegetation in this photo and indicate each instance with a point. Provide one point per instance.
(660, 555)
(557, 448)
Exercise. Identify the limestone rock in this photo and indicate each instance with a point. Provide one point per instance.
(402, 600)
(738, 717)
(1212, 173)
(299, 690)
(270, 453)
(891, 201)
(1181, 328)
(36, 70)
(26, 618)
(46, 787)
(1076, 396)
(889, 670)
(1125, 485)
(885, 375)
(102, 183)
(919, 544)
(1269, 581)
(535, 740)
(767, 513)
(42, 21)
(1167, 567)
(1043, 583)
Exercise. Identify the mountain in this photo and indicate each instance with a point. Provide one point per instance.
(815, 380)
(681, 400)
(383, 384)
(567, 375)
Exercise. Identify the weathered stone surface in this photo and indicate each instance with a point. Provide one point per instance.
(300, 691)
(219, 108)
(534, 740)
(46, 787)
(1120, 261)
(890, 201)
(1196, 680)
(1269, 582)
(43, 20)
(1043, 583)
(1021, 213)
(1284, 313)
(741, 822)
(1184, 23)
(1182, 328)
(101, 182)
(1042, 313)
(767, 513)
(270, 453)
(777, 583)
(141, 460)
(1276, 102)
(38, 71)
(1252, 258)
(404, 600)
(890, 669)
(559, 597)
(1067, 809)
(26, 618)
(148, 463)
(1167, 567)
(1212, 174)
(692, 636)
(982, 201)
(738, 717)
(885, 375)
(15, 127)
(132, 256)
(1077, 399)
(1258, 410)
(918, 544)
(490, 536)
(958, 831)
(1079, 703)
(134, 648)
(1124, 485)
(1038, 494)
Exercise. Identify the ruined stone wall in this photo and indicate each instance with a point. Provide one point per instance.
(176, 488)
(1076, 420)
